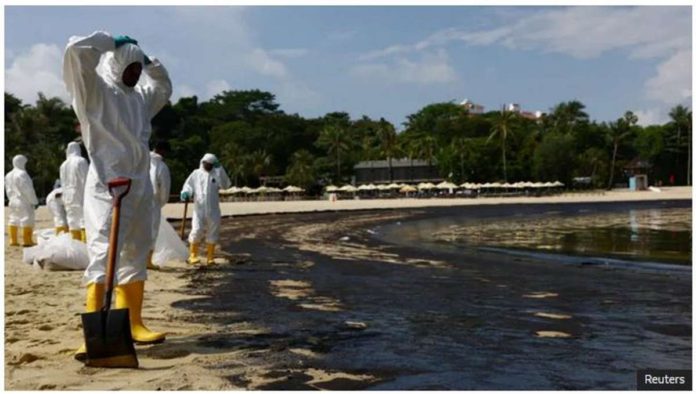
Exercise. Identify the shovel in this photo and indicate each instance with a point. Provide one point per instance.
(107, 332)
(183, 222)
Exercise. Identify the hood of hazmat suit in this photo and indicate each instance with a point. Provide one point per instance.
(115, 125)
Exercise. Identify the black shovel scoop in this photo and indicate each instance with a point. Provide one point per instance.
(107, 332)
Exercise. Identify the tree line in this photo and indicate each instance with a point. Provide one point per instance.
(254, 139)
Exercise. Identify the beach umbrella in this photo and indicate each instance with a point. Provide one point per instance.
(293, 189)
(393, 186)
(558, 184)
(425, 186)
(331, 188)
(382, 187)
(486, 185)
(246, 189)
(446, 185)
(273, 190)
(348, 188)
(408, 189)
(549, 184)
(364, 187)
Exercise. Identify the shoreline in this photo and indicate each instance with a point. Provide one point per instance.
(174, 211)
(301, 303)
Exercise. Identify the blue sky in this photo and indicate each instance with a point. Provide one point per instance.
(384, 61)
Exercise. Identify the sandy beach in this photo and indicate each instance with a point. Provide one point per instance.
(313, 301)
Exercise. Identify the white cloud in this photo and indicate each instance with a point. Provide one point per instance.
(662, 33)
(215, 87)
(182, 91)
(37, 70)
(430, 68)
(581, 32)
(672, 84)
(653, 116)
(263, 63)
(289, 52)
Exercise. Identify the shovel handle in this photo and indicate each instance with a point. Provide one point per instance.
(113, 236)
(183, 222)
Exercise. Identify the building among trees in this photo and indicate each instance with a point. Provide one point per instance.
(402, 171)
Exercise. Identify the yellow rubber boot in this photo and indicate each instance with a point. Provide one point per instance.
(151, 266)
(193, 257)
(27, 240)
(83, 235)
(210, 252)
(14, 232)
(76, 235)
(130, 296)
(95, 300)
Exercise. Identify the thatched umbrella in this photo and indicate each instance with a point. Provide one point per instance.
(293, 189)
(408, 189)
(348, 188)
(331, 188)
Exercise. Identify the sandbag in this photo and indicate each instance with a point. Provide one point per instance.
(57, 253)
(63, 253)
(169, 248)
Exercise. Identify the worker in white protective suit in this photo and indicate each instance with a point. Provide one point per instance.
(73, 174)
(54, 202)
(115, 113)
(23, 202)
(161, 186)
(203, 185)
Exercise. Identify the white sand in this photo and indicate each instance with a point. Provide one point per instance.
(175, 210)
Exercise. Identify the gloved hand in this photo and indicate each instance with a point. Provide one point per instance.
(122, 40)
(185, 196)
(147, 60)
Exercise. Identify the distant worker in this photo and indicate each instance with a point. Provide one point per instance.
(203, 185)
(161, 186)
(115, 112)
(54, 202)
(23, 202)
(73, 174)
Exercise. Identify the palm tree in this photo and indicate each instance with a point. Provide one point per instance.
(234, 160)
(388, 142)
(681, 121)
(459, 147)
(259, 162)
(335, 139)
(503, 124)
(569, 114)
(617, 132)
(301, 171)
(426, 148)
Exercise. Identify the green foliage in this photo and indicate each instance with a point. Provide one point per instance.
(554, 158)
(254, 138)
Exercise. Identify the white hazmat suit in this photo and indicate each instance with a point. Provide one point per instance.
(73, 174)
(22, 200)
(55, 203)
(161, 186)
(115, 122)
(205, 187)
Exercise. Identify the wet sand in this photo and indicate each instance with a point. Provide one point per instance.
(316, 301)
